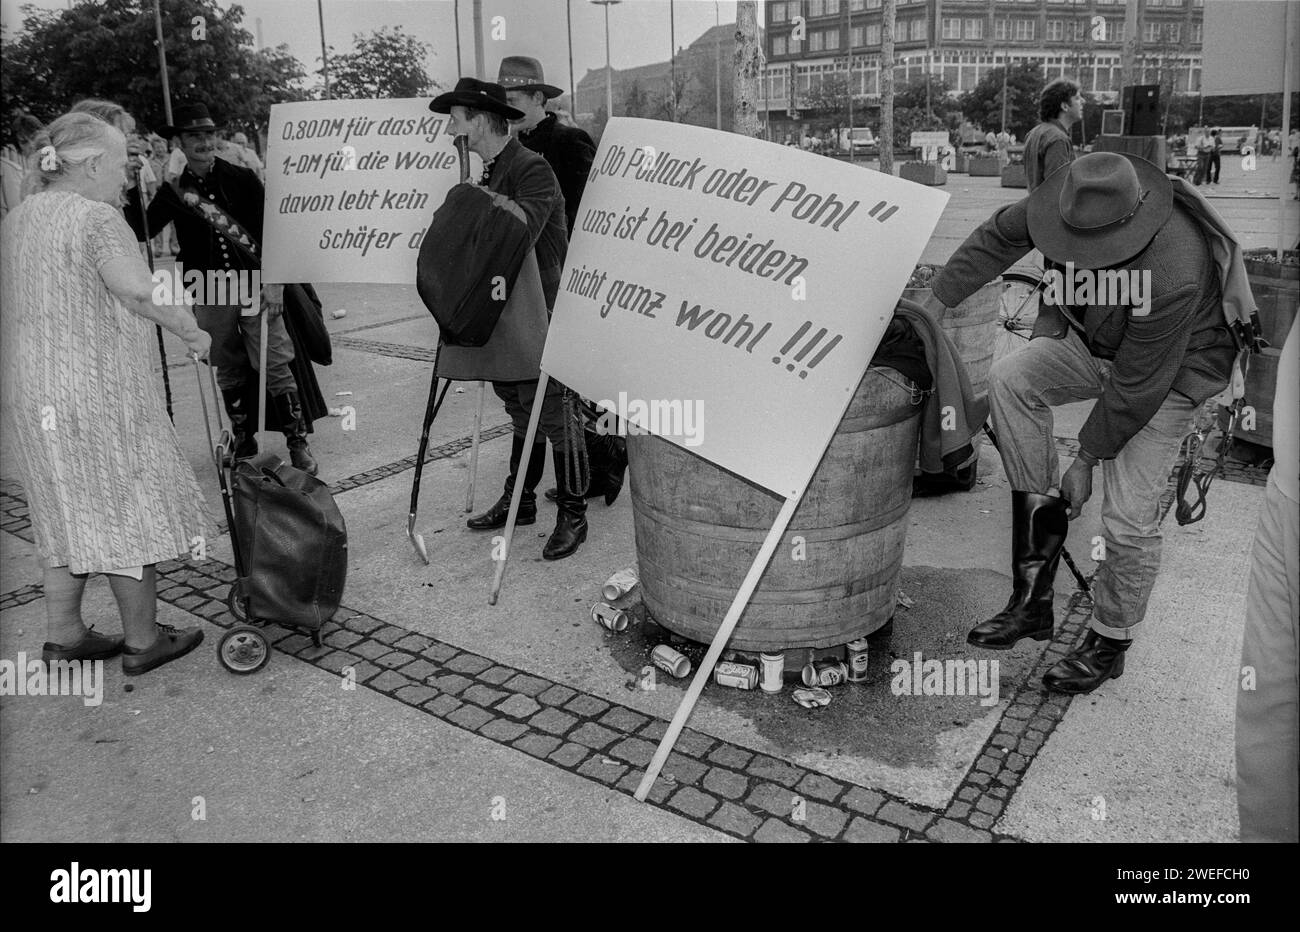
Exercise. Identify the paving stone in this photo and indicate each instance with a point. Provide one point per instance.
(726, 783)
(866, 802)
(569, 755)
(655, 730)
(342, 638)
(468, 663)
(729, 755)
(946, 830)
(537, 745)
(659, 790)
(497, 675)
(415, 695)
(596, 768)
(452, 684)
(387, 681)
(958, 810)
(864, 831)
(634, 751)
(313, 654)
(439, 652)
(362, 624)
(211, 611)
(981, 820)
(371, 650)
(817, 786)
(189, 602)
(420, 670)
(587, 706)
(693, 743)
(777, 832)
(442, 706)
(414, 643)
(684, 769)
(294, 643)
(528, 685)
(363, 671)
(471, 717)
(518, 706)
(394, 659)
(593, 735)
(826, 821)
(978, 778)
(899, 814)
(553, 720)
(484, 695)
(769, 768)
(389, 634)
(1019, 710)
(1004, 740)
(999, 792)
(1008, 779)
(987, 763)
(556, 695)
(734, 819)
(989, 804)
(777, 800)
(1029, 746)
(500, 729)
(692, 802)
(968, 793)
(620, 719)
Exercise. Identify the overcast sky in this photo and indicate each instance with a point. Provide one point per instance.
(639, 29)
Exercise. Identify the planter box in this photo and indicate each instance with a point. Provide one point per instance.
(930, 173)
(961, 163)
(986, 166)
(1013, 176)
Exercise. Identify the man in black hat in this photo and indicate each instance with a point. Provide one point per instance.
(569, 151)
(217, 209)
(519, 188)
(1149, 363)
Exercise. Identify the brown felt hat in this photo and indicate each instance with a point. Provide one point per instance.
(521, 73)
(477, 95)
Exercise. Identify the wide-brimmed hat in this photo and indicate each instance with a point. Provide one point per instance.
(478, 95)
(190, 118)
(521, 73)
(1100, 209)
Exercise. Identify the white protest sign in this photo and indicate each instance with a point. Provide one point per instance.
(350, 188)
(746, 283)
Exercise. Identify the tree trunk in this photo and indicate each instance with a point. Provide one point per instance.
(748, 63)
(887, 87)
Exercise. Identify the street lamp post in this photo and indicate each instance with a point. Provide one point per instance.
(609, 75)
(324, 58)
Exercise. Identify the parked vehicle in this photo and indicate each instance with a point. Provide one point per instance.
(862, 140)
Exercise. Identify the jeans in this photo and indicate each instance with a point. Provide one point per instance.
(1023, 388)
(236, 345)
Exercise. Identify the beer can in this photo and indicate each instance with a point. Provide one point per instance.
(773, 672)
(615, 619)
(670, 661)
(620, 584)
(858, 652)
(737, 675)
(825, 673)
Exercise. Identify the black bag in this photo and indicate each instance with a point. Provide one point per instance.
(292, 540)
(468, 262)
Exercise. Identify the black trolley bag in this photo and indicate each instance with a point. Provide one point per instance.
(290, 546)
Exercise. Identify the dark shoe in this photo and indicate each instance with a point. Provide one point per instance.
(92, 646)
(608, 459)
(941, 483)
(1092, 663)
(241, 408)
(495, 517)
(294, 427)
(1039, 525)
(571, 521)
(172, 644)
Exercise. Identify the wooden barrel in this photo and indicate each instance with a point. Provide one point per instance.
(832, 578)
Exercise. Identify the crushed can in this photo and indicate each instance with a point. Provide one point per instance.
(736, 675)
(825, 673)
(615, 619)
(620, 584)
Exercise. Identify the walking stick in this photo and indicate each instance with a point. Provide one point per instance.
(473, 448)
(148, 251)
(1069, 561)
(430, 412)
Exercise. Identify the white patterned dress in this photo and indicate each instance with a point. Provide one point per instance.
(107, 483)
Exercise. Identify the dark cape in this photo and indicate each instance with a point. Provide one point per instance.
(304, 322)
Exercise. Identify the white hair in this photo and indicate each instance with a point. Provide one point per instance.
(73, 139)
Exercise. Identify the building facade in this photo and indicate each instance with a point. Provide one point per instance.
(809, 42)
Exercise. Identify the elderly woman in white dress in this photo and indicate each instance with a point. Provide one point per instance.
(109, 490)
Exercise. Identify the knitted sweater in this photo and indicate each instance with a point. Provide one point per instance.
(1182, 345)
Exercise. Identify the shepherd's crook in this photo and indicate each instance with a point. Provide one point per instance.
(148, 251)
(517, 495)
(473, 448)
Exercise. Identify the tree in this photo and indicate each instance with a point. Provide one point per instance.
(106, 48)
(748, 63)
(675, 103)
(635, 102)
(388, 63)
(982, 105)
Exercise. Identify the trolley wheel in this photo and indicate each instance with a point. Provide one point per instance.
(235, 601)
(243, 650)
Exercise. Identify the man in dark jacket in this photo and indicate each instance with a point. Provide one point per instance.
(569, 151)
(1048, 145)
(225, 235)
(1149, 363)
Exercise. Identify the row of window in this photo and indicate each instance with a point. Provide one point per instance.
(786, 11)
(820, 40)
(1061, 30)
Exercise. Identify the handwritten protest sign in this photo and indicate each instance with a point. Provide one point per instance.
(350, 188)
(738, 279)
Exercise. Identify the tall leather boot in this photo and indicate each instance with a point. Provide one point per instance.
(1039, 524)
(607, 457)
(495, 517)
(241, 408)
(1092, 663)
(571, 520)
(294, 427)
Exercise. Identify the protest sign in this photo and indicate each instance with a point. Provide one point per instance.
(350, 188)
(740, 282)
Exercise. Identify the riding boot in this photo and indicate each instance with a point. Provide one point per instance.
(608, 458)
(1039, 524)
(294, 427)
(571, 519)
(241, 408)
(495, 517)
(1092, 663)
